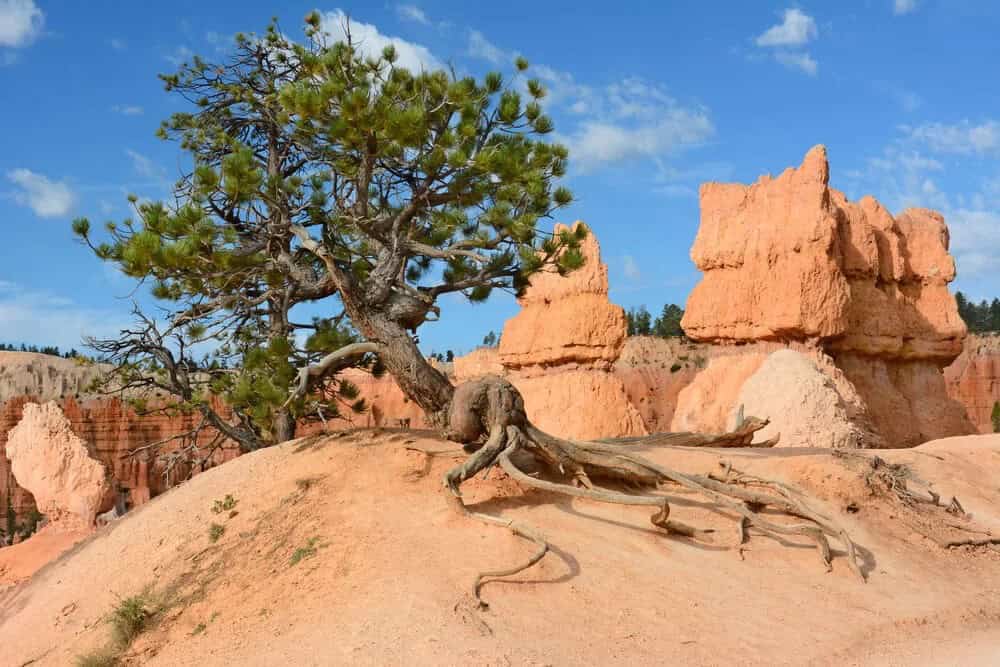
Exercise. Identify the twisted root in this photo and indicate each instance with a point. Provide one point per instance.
(492, 408)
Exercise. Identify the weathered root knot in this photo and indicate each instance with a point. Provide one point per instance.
(492, 408)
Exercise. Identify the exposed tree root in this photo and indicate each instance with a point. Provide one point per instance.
(920, 506)
(520, 530)
(491, 408)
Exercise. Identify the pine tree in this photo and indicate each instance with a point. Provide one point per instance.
(406, 187)
(668, 324)
(222, 258)
(639, 321)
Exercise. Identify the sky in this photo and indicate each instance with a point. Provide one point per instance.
(652, 99)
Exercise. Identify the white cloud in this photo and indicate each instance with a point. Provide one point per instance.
(42, 318)
(801, 61)
(963, 138)
(21, 22)
(631, 268)
(900, 7)
(412, 13)
(480, 47)
(597, 142)
(370, 42)
(127, 109)
(143, 165)
(634, 119)
(796, 29)
(118, 44)
(47, 198)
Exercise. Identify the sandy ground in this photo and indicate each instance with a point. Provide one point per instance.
(22, 560)
(387, 578)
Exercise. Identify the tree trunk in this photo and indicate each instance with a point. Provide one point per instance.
(420, 382)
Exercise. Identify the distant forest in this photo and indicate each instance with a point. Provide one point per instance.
(982, 317)
(45, 349)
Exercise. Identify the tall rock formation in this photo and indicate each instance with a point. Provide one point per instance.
(111, 429)
(559, 351)
(791, 259)
(53, 463)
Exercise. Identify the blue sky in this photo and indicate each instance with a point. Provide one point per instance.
(652, 99)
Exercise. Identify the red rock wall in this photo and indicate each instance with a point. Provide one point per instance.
(974, 379)
(110, 429)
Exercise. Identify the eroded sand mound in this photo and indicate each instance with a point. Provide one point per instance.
(384, 570)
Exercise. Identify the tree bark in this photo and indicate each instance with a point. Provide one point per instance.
(420, 382)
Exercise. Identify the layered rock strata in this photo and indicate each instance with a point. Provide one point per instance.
(791, 259)
(54, 464)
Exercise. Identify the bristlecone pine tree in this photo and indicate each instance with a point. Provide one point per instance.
(407, 186)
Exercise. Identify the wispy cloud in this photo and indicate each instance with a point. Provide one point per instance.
(144, 166)
(118, 44)
(964, 138)
(412, 13)
(634, 119)
(631, 268)
(800, 61)
(43, 318)
(480, 47)
(179, 56)
(127, 109)
(900, 7)
(47, 198)
(21, 22)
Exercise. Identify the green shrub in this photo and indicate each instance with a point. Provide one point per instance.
(215, 531)
(128, 619)
(308, 551)
(224, 505)
(676, 367)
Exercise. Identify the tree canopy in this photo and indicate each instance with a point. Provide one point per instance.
(666, 325)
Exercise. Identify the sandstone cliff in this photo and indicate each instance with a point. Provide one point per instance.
(974, 379)
(110, 429)
(55, 466)
(791, 259)
(559, 350)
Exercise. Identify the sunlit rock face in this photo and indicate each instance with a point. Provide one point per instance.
(791, 259)
(55, 466)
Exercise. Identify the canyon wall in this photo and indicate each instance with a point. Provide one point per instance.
(974, 379)
(789, 259)
(110, 429)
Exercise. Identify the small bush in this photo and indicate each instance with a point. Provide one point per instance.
(308, 551)
(128, 619)
(215, 531)
(675, 368)
(200, 628)
(224, 505)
